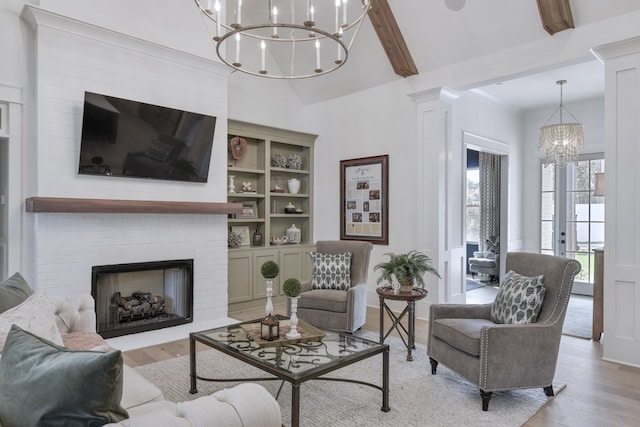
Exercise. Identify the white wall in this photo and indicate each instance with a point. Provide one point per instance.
(369, 123)
(72, 57)
(503, 126)
(382, 121)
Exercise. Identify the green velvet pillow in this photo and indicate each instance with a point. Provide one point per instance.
(42, 384)
(13, 292)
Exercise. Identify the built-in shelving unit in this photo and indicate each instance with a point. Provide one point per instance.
(270, 194)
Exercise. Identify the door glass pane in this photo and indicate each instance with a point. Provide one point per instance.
(584, 218)
(548, 178)
(579, 176)
(473, 206)
(473, 224)
(548, 206)
(546, 236)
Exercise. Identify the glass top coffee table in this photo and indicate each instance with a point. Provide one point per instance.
(294, 362)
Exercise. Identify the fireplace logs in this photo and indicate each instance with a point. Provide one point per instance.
(140, 305)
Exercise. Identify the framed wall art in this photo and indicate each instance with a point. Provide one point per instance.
(249, 210)
(364, 199)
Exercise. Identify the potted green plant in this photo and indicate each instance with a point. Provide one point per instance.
(407, 269)
(270, 270)
(292, 288)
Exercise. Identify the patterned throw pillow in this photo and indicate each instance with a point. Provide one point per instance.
(36, 315)
(519, 299)
(331, 271)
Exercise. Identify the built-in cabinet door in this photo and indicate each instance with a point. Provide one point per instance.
(259, 283)
(240, 276)
(295, 262)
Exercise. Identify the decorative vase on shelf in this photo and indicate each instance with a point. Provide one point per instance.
(293, 234)
(293, 320)
(257, 237)
(232, 184)
(294, 185)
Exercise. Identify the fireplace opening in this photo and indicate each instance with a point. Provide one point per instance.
(139, 297)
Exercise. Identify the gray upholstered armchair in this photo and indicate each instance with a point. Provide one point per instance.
(338, 310)
(505, 356)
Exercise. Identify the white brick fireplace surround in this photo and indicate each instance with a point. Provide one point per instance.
(71, 57)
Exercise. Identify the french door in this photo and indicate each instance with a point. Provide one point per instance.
(572, 217)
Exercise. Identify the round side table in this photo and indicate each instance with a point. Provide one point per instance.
(387, 293)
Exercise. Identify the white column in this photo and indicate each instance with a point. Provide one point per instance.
(622, 201)
(435, 198)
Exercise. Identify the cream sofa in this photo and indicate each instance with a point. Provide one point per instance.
(243, 405)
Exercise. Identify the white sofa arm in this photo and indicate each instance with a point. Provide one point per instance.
(75, 313)
(249, 404)
(245, 405)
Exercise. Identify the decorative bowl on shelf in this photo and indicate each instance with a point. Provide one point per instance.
(278, 240)
(290, 208)
(299, 211)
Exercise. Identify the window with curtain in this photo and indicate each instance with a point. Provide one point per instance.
(473, 206)
(489, 197)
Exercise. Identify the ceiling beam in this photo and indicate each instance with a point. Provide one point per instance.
(556, 15)
(391, 38)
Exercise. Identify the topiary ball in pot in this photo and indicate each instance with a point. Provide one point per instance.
(270, 270)
(292, 287)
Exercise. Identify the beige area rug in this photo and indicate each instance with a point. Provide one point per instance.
(579, 318)
(416, 397)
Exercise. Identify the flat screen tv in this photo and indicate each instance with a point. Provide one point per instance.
(127, 138)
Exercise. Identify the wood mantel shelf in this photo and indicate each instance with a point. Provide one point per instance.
(60, 204)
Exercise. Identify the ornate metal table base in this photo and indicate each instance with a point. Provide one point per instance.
(294, 363)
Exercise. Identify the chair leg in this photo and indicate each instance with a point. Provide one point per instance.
(486, 396)
(434, 365)
(548, 390)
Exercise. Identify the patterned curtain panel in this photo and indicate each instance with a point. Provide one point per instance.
(489, 197)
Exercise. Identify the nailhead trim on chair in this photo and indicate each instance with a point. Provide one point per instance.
(484, 331)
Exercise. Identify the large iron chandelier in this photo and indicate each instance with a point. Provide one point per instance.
(311, 37)
(561, 142)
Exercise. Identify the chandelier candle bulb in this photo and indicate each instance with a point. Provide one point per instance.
(218, 24)
(291, 50)
(339, 60)
(344, 13)
(275, 21)
(239, 13)
(318, 69)
(237, 63)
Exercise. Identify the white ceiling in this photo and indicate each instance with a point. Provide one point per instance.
(584, 81)
(438, 37)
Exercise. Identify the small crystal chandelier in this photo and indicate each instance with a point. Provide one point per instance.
(311, 37)
(561, 142)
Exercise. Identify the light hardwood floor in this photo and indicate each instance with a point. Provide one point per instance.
(598, 393)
